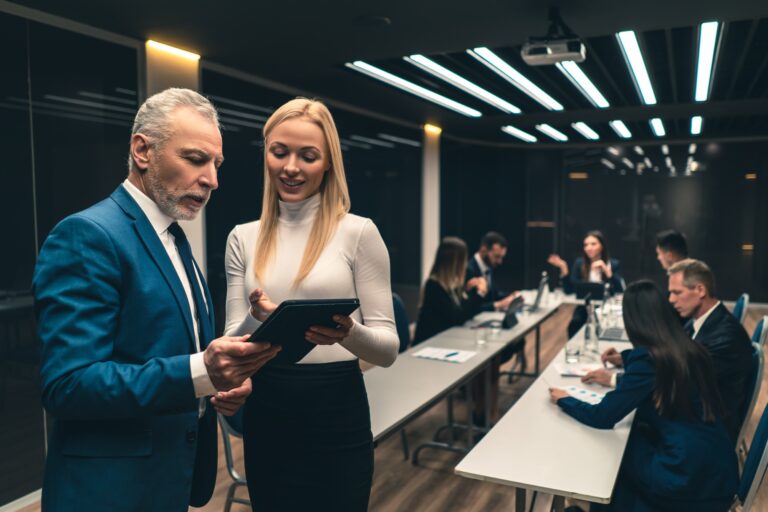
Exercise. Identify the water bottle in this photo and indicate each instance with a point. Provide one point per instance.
(590, 330)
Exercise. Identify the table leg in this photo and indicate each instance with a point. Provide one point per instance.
(519, 499)
(538, 347)
(470, 410)
(487, 392)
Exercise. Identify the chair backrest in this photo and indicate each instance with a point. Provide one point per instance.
(740, 309)
(761, 331)
(752, 389)
(755, 465)
(401, 322)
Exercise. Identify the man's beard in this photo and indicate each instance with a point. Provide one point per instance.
(167, 201)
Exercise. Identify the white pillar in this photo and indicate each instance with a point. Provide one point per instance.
(430, 198)
(168, 67)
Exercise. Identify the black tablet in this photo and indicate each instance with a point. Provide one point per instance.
(288, 323)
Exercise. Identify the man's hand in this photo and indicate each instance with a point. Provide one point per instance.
(478, 283)
(557, 261)
(600, 376)
(612, 356)
(261, 305)
(556, 394)
(228, 402)
(232, 359)
(321, 335)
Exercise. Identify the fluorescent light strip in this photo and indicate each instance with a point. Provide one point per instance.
(665, 149)
(355, 144)
(412, 88)
(577, 77)
(172, 50)
(407, 142)
(628, 162)
(511, 75)
(639, 150)
(555, 134)
(668, 161)
(607, 163)
(691, 148)
(462, 83)
(648, 162)
(631, 50)
(375, 142)
(621, 129)
(706, 59)
(696, 122)
(585, 130)
(614, 151)
(658, 127)
(520, 134)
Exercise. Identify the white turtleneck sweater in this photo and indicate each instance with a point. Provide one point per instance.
(354, 263)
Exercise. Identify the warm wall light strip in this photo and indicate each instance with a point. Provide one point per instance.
(621, 129)
(696, 122)
(511, 75)
(585, 130)
(750, 176)
(706, 59)
(462, 83)
(432, 129)
(573, 72)
(520, 134)
(578, 175)
(658, 127)
(555, 134)
(747, 247)
(416, 90)
(634, 58)
(174, 51)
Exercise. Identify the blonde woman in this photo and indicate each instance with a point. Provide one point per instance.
(446, 301)
(307, 433)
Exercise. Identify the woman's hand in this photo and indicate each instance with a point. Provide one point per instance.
(320, 335)
(558, 262)
(600, 376)
(261, 305)
(478, 283)
(556, 394)
(603, 267)
(612, 356)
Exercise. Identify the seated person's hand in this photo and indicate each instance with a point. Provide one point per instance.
(556, 394)
(556, 261)
(230, 360)
(321, 335)
(503, 304)
(261, 305)
(603, 267)
(479, 284)
(612, 356)
(600, 376)
(228, 402)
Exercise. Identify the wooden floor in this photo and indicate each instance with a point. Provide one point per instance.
(400, 486)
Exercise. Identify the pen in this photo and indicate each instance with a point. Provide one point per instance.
(452, 354)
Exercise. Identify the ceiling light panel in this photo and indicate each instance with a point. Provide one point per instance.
(705, 64)
(511, 75)
(634, 58)
(658, 127)
(462, 83)
(621, 129)
(551, 132)
(416, 90)
(696, 122)
(585, 130)
(573, 72)
(520, 134)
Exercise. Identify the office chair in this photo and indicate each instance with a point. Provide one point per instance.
(754, 379)
(404, 334)
(232, 426)
(761, 331)
(740, 309)
(755, 466)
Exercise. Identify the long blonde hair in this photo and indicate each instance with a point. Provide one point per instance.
(334, 194)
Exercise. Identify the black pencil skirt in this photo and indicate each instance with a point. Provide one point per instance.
(307, 438)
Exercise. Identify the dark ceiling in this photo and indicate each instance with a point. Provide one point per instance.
(305, 45)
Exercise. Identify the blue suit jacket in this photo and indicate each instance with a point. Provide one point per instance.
(116, 334)
(680, 464)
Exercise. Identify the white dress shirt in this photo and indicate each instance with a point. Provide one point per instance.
(697, 323)
(160, 222)
(485, 270)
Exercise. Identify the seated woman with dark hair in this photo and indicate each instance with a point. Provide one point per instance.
(679, 455)
(594, 266)
(446, 301)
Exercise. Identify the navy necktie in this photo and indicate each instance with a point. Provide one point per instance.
(689, 328)
(185, 251)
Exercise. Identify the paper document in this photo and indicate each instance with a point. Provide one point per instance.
(445, 354)
(585, 395)
(576, 369)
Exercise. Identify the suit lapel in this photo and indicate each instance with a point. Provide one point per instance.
(154, 246)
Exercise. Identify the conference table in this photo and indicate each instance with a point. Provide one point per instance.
(536, 446)
(412, 385)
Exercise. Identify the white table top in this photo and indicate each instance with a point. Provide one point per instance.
(537, 446)
(400, 392)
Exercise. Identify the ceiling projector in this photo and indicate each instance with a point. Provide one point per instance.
(560, 44)
(552, 51)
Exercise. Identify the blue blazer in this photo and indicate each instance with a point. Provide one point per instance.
(569, 282)
(116, 334)
(669, 462)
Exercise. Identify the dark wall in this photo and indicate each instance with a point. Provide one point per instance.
(483, 189)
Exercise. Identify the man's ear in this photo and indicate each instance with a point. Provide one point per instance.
(140, 149)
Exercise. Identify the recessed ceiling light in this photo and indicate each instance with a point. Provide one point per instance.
(691, 149)
(416, 90)
(621, 129)
(696, 122)
(520, 134)
(658, 127)
(585, 130)
(462, 83)
(510, 74)
(665, 149)
(573, 72)
(706, 59)
(555, 134)
(634, 58)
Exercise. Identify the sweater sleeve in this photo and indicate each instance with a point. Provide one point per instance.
(375, 339)
(239, 320)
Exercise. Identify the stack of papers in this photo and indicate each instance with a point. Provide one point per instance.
(585, 395)
(576, 369)
(444, 354)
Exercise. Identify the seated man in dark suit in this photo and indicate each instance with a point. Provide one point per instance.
(671, 247)
(692, 294)
(490, 255)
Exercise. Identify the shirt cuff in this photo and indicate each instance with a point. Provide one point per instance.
(613, 380)
(200, 379)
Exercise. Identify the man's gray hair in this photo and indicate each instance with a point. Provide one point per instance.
(153, 117)
(695, 272)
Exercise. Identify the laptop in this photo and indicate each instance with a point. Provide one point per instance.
(595, 291)
(510, 316)
(539, 293)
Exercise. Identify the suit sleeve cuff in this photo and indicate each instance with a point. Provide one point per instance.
(200, 379)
